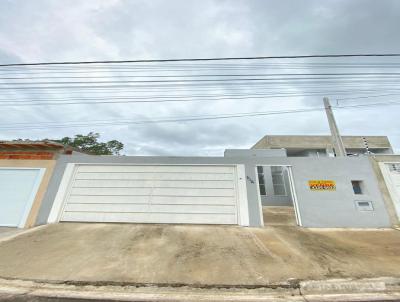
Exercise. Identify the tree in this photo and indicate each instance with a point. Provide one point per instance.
(90, 143)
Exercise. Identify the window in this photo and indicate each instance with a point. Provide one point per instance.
(357, 187)
(275, 178)
(261, 180)
(278, 181)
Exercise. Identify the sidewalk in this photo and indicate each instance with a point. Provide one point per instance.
(381, 289)
(177, 255)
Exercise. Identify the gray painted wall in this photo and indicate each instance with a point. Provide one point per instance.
(338, 208)
(255, 153)
(317, 209)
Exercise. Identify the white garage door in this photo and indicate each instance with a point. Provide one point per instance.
(18, 188)
(152, 194)
(393, 181)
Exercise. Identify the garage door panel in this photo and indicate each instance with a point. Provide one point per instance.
(152, 191)
(151, 218)
(155, 169)
(154, 194)
(150, 184)
(154, 176)
(18, 188)
(144, 208)
(222, 200)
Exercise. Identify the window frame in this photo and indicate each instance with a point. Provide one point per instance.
(359, 189)
(282, 177)
(260, 175)
(262, 184)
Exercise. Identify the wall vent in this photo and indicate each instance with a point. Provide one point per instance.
(364, 205)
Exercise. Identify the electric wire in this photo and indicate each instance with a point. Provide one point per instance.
(189, 119)
(207, 59)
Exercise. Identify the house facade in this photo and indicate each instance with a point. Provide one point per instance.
(210, 190)
(322, 191)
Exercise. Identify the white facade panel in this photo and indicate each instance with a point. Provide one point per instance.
(391, 173)
(205, 194)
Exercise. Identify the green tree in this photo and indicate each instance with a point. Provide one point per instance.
(90, 143)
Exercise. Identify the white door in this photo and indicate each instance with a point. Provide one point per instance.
(392, 173)
(18, 188)
(152, 194)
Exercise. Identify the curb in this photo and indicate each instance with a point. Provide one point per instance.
(382, 284)
(373, 289)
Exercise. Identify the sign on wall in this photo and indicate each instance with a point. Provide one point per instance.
(322, 185)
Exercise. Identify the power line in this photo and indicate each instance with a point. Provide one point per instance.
(161, 99)
(215, 84)
(91, 69)
(188, 119)
(165, 120)
(350, 74)
(147, 100)
(203, 59)
(192, 81)
(366, 97)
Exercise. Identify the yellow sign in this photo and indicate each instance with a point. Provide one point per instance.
(322, 185)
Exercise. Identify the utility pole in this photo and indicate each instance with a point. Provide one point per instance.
(336, 138)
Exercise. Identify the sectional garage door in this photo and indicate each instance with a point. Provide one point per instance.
(152, 194)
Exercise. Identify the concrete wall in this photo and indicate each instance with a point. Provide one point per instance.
(338, 208)
(46, 164)
(317, 209)
(321, 142)
(255, 153)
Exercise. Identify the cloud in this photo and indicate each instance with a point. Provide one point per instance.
(67, 30)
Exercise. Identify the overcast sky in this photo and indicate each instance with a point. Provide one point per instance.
(61, 30)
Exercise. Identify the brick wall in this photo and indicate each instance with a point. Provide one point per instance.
(26, 155)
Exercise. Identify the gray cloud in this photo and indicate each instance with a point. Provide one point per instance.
(65, 30)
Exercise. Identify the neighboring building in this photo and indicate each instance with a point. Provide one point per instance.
(25, 170)
(321, 145)
(27, 149)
